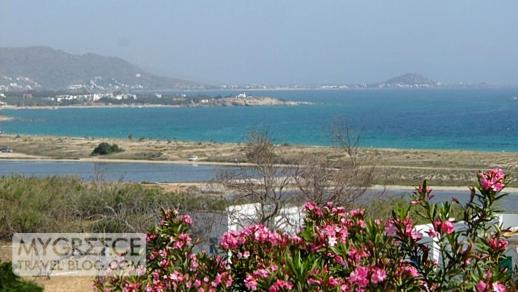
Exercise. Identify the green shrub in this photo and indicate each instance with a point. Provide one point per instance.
(9, 282)
(68, 204)
(106, 149)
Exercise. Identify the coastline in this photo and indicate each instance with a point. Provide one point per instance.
(392, 166)
(146, 105)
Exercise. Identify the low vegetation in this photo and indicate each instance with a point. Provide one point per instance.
(106, 149)
(9, 282)
(68, 204)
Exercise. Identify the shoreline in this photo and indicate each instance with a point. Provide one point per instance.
(315, 146)
(392, 166)
(399, 187)
(288, 103)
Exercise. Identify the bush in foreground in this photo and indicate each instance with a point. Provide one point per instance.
(9, 282)
(336, 250)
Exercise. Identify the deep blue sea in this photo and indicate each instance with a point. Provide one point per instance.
(476, 119)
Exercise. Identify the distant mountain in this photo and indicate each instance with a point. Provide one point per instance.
(409, 80)
(50, 69)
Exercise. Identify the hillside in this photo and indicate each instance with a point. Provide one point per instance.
(47, 68)
(409, 80)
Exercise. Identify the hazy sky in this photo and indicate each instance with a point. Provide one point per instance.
(281, 41)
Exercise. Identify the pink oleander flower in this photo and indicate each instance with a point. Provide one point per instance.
(164, 263)
(261, 273)
(312, 208)
(492, 179)
(280, 284)
(197, 283)
(357, 212)
(356, 255)
(332, 234)
(481, 286)
(251, 283)
(131, 287)
(295, 239)
(444, 227)
(410, 270)
(140, 270)
(231, 240)
(151, 236)
(313, 281)
(243, 255)
(223, 278)
(176, 276)
(498, 244)
(360, 276)
(390, 228)
(421, 190)
(333, 282)
(193, 262)
(378, 275)
(331, 241)
(431, 233)
(410, 231)
(498, 287)
(362, 224)
(187, 219)
(184, 239)
(447, 227)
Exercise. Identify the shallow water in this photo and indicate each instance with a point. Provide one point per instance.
(171, 172)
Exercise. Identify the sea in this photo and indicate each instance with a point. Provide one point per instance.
(469, 119)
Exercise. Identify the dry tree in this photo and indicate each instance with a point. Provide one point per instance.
(259, 189)
(342, 176)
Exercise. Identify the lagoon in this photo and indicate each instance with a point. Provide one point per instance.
(191, 173)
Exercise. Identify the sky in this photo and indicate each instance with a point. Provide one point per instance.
(281, 41)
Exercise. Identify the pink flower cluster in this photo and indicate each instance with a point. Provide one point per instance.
(333, 233)
(360, 276)
(251, 280)
(498, 244)
(485, 287)
(442, 227)
(337, 250)
(279, 285)
(492, 179)
(257, 234)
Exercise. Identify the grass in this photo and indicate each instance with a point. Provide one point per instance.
(68, 204)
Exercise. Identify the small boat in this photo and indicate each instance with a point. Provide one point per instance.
(193, 158)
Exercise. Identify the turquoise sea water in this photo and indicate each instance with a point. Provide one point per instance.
(477, 119)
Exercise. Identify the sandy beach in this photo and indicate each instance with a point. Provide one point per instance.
(393, 166)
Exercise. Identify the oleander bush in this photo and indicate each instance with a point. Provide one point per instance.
(336, 250)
